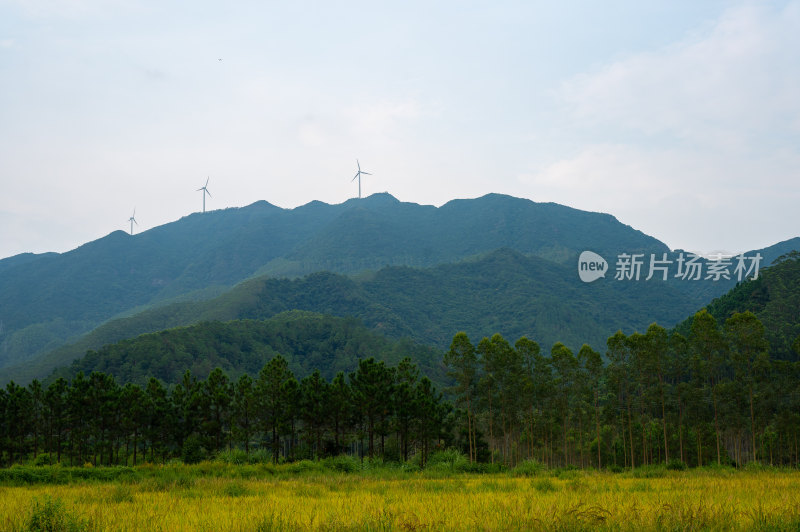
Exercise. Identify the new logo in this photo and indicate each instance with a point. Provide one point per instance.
(591, 266)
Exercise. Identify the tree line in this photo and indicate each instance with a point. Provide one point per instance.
(713, 396)
(95, 420)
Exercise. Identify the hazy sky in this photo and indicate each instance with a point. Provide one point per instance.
(682, 119)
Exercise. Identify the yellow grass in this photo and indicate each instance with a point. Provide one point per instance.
(677, 501)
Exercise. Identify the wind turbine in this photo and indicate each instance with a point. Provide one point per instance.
(358, 175)
(132, 219)
(204, 188)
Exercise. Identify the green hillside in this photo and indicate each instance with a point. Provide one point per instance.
(503, 291)
(47, 299)
(306, 340)
(774, 298)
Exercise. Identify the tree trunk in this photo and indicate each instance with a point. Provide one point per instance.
(753, 425)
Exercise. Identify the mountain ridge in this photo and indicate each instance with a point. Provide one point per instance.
(49, 298)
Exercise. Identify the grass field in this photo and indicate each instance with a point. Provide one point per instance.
(248, 498)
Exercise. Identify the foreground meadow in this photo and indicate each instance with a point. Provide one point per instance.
(180, 498)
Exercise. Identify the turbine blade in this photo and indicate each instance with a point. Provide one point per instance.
(199, 189)
(354, 178)
(207, 192)
(359, 164)
(366, 173)
(207, 181)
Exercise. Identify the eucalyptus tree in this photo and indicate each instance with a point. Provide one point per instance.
(619, 379)
(532, 387)
(657, 345)
(592, 364)
(462, 363)
(749, 354)
(502, 364)
(565, 367)
(708, 345)
(678, 373)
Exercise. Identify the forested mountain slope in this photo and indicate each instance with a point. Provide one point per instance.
(306, 340)
(45, 299)
(503, 291)
(774, 298)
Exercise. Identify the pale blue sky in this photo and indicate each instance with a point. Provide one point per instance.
(680, 118)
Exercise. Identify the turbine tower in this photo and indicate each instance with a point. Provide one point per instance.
(358, 175)
(204, 188)
(132, 219)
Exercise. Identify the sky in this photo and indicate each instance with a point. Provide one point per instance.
(680, 118)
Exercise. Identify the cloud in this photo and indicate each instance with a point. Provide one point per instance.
(725, 88)
(695, 143)
(68, 9)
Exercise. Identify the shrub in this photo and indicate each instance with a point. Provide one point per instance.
(342, 463)
(43, 459)
(676, 465)
(234, 456)
(448, 460)
(528, 468)
(50, 515)
(192, 451)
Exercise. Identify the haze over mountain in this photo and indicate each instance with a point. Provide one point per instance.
(46, 300)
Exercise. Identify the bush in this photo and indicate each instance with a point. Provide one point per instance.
(235, 457)
(448, 460)
(676, 465)
(50, 515)
(528, 468)
(342, 463)
(43, 459)
(192, 451)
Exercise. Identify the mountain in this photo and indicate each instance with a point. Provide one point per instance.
(47, 299)
(502, 291)
(306, 340)
(774, 298)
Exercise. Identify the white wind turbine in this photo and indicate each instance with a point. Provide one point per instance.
(204, 188)
(358, 175)
(132, 219)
